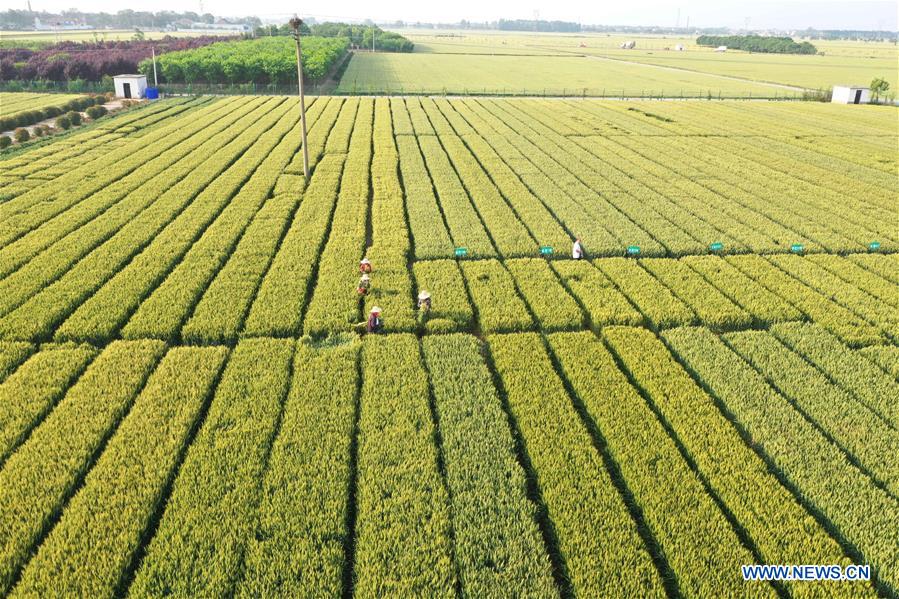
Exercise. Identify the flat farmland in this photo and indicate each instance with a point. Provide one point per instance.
(512, 74)
(484, 63)
(189, 406)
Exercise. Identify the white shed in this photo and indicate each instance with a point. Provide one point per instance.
(850, 94)
(721, 49)
(130, 86)
(679, 48)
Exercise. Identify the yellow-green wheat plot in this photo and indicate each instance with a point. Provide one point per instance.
(190, 404)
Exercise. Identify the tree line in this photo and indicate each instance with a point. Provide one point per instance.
(758, 43)
(358, 36)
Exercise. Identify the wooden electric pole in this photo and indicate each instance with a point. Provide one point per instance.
(295, 24)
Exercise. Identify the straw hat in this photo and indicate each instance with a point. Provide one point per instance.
(375, 310)
(424, 295)
(365, 261)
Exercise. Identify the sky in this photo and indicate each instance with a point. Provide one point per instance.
(763, 14)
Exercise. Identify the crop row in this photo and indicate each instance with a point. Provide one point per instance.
(748, 218)
(32, 208)
(805, 181)
(190, 271)
(294, 550)
(462, 219)
(128, 199)
(92, 545)
(682, 155)
(451, 309)
(854, 427)
(30, 393)
(43, 473)
(403, 543)
(277, 308)
(330, 111)
(507, 231)
(390, 242)
(220, 313)
(885, 356)
(429, 233)
(402, 489)
(777, 202)
(188, 208)
(283, 293)
(13, 353)
(807, 460)
(586, 213)
(777, 527)
(661, 224)
(696, 217)
(597, 540)
(220, 479)
(104, 313)
(334, 306)
(677, 509)
(880, 314)
(60, 243)
(854, 374)
(543, 224)
(77, 149)
(493, 521)
(849, 327)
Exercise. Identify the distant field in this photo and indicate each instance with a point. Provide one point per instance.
(812, 71)
(91, 35)
(534, 75)
(843, 62)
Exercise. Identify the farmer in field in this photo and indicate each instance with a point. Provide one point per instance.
(365, 266)
(364, 284)
(424, 301)
(375, 322)
(577, 252)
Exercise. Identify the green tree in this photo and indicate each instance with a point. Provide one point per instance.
(879, 86)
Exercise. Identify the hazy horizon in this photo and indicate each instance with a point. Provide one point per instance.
(793, 14)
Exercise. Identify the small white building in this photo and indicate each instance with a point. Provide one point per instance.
(721, 49)
(679, 48)
(628, 45)
(130, 86)
(850, 94)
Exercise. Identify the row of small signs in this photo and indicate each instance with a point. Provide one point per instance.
(634, 250)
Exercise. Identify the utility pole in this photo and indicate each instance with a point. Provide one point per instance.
(295, 24)
(372, 37)
(155, 78)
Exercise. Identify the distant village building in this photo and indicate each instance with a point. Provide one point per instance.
(629, 45)
(235, 27)
(721, 49)
(130, 86)
(679, 48)
(850, 94)
(60, 26)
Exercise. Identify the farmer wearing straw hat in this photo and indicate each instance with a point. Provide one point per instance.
(375, 322)
(364, 284)
(424, 301)
(365, 266)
